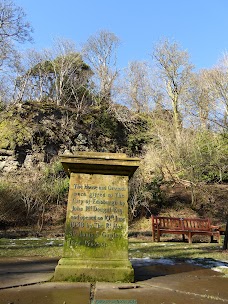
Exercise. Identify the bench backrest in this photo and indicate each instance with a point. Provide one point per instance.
(167, 222)
(176, 223)
(197, 224)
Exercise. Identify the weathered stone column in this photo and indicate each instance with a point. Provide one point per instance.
(96, 235)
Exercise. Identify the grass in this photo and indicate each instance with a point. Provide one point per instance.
(31, 247)
(209, 255)
(138, 248)
(177, 250)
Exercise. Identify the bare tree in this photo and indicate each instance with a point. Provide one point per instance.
(71, 73)
(217, 80)
(30, 79)
(136, 87)
(58, 75)
(175, 71)
(201, 105)
(100, 51)
(13, 28)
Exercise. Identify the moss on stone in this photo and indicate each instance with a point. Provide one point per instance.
(14, 132)
(102, 270)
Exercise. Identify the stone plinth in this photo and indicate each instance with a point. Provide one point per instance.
(96, 235)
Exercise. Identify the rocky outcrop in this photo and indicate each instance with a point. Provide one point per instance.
(32, 134)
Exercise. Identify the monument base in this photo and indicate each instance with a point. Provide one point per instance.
(74, 270)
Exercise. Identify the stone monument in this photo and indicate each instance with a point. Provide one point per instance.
(96, 233)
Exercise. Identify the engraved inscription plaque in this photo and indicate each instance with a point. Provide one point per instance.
(97, 216)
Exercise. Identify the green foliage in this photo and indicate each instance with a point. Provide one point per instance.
(141, 135)
(54, 170)
(2, 105)
(107, 124)
(64, 81)
(61, 187)
(53, 184)
(155, 187)
(13, 131)
(106, 134)
(206, 158)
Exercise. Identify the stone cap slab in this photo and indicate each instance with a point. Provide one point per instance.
(99, 163)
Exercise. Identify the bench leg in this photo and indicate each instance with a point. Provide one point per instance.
(219, 239)
(153, 236)
(189, 238)
(212, 239)
(183, 237)
(158, 235)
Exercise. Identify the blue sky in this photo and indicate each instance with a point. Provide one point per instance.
(199, 26)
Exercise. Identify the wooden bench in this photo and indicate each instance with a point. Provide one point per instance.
(184, 226)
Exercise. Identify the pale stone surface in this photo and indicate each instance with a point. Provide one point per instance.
(96, 235)
(97, 217)
(48, 293)
(100, 163)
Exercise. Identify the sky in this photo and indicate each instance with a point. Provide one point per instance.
(198, 26)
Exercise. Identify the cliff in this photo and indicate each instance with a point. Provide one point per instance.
(35, 133)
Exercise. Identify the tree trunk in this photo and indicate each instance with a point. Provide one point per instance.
(225, 243)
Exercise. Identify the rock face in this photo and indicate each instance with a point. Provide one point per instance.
(35, 133)
(8, 160)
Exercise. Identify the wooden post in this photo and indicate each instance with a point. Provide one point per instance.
(153, 228)
(225, 243)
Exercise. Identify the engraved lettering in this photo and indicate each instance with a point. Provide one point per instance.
(96, 194)
(97, 213)
(79, 194)
(78, 186)
(90, 187)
